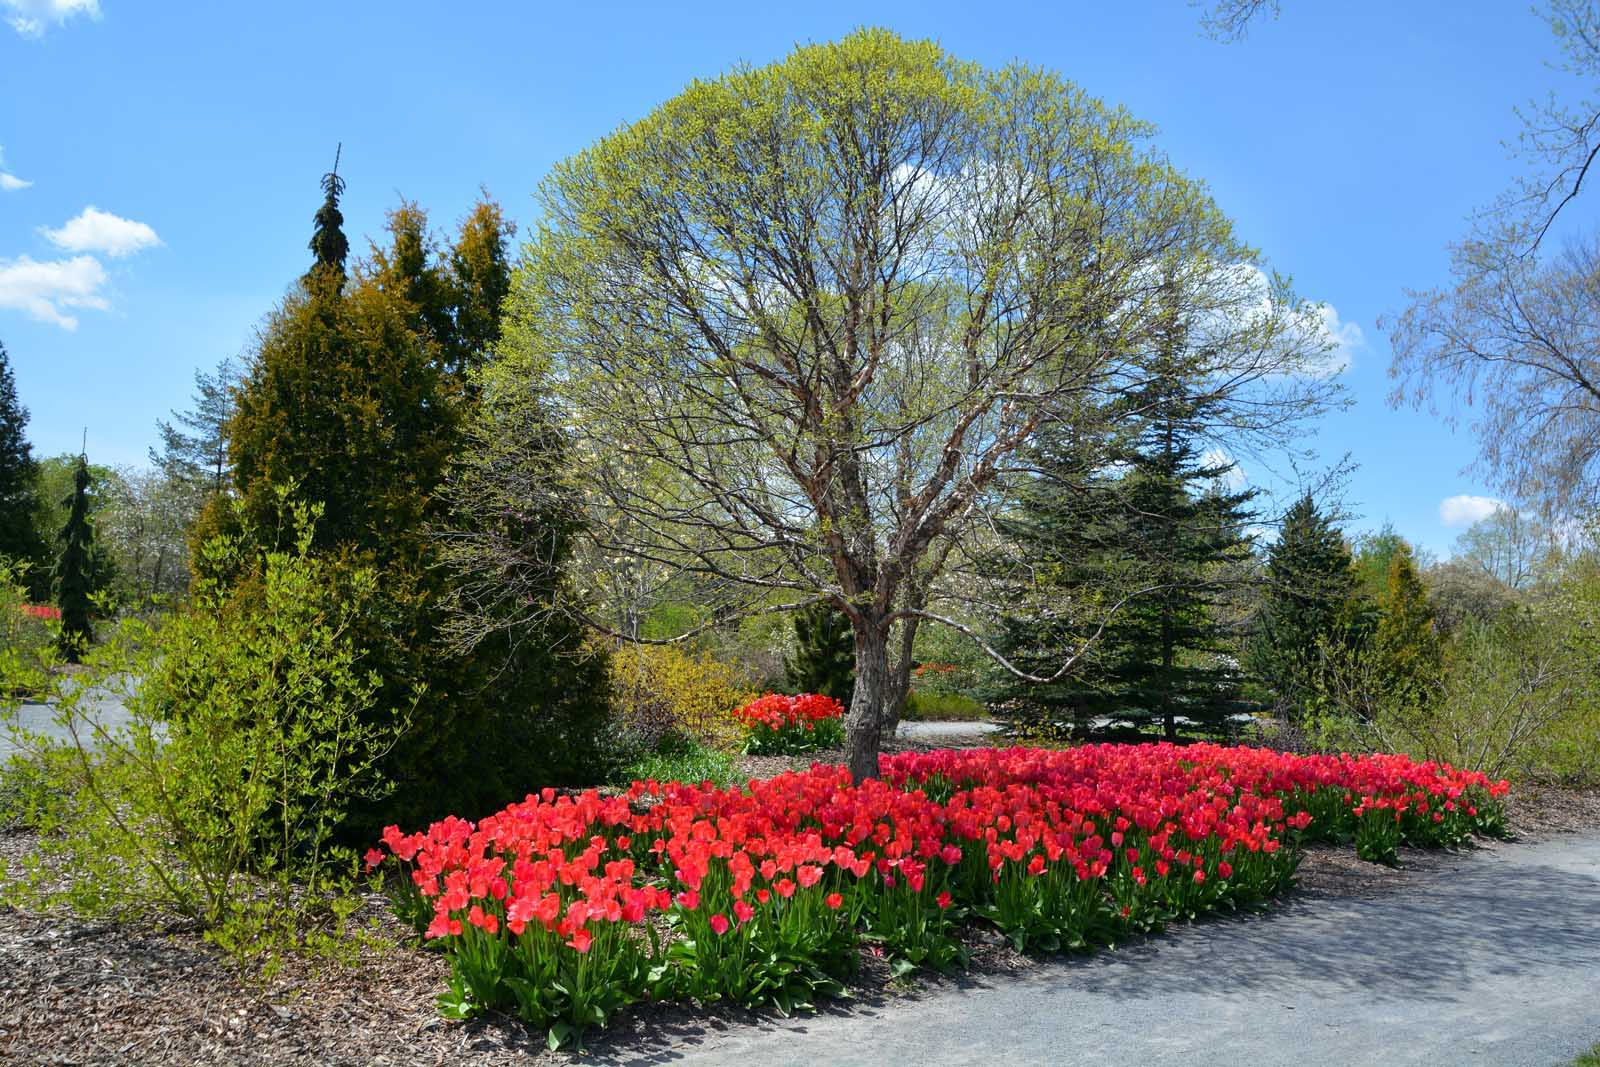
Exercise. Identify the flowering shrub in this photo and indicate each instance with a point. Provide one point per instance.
(777, 724)
(566, 908)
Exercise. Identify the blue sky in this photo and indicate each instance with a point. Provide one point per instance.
(1349, 141)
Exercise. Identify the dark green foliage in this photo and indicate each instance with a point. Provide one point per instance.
(355, 398)
(825, 653)
(75, 568)
(329, 247)
(1309, 605)
(19, 478)
(1148, 552)
(1064, 523)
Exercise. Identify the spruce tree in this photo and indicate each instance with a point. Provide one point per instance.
(75, 568)
(329, 247)
(19, 479)
(1140, 528)
(825, 653)
(1309, 602)
(1406, 646)
(194, 447)
(1064, 525)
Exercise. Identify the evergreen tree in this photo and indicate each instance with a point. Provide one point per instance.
(75, 568)
(353, 397)
(1159, 538)
(1309, 603)
(19, 479)
(329, 248)
(1064, 523)
(825, 653)
(1406, 645)
(194, 448)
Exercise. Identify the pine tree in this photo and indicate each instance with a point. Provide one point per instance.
(194, 448)
(75, 568)
(1406, 646)
(1310, 601)
(19, 479)
(825, 653)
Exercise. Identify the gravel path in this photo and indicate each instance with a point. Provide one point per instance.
(1491, 957)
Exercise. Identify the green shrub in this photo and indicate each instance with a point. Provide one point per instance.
(27, 640)
(923, 706)
(251, 729)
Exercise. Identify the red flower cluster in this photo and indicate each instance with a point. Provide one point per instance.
(42, 611)
(771, 884)
(777, 711)
(777, 724)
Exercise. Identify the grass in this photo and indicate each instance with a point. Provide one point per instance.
(692, 763)
(943, 707)
(1589, 1059)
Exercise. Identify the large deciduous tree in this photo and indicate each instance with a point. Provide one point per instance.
(798, 320)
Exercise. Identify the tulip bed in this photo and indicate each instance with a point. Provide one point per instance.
(567, 908)
(778, 724)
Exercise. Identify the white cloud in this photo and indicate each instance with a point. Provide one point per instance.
(44, 289)
(1466, 509)
(1233, 478)
(1343, 338)
(32, 17)
(9, 183)
(100, 231)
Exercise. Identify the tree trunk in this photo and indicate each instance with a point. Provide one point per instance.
(900, 678)
(863, 726)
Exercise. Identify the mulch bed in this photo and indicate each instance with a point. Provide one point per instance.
(82, 993)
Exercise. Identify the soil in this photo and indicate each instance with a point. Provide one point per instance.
(79, 993)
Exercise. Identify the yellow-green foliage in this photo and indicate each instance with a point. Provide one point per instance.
(658, 689)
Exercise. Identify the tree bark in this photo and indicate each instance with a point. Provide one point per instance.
(863, 726)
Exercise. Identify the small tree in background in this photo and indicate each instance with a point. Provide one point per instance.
(194, 447)
(825, 653)
(1308, 605)
(1406, 643)
(75, 568)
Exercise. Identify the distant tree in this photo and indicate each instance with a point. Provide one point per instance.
(19, 482)
(1511, 547)
(53, 505)
(194, 447)
(1308, 604)
(1463, 594)
(75, 568)
(1373, 553)
(141, 524)
(1408, 654)
(825, 653)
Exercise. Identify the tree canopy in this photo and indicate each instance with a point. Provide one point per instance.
(797, 320)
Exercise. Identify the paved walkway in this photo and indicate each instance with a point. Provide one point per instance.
(1491, 958)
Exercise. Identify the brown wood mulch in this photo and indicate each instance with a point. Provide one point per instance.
(82, 993)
